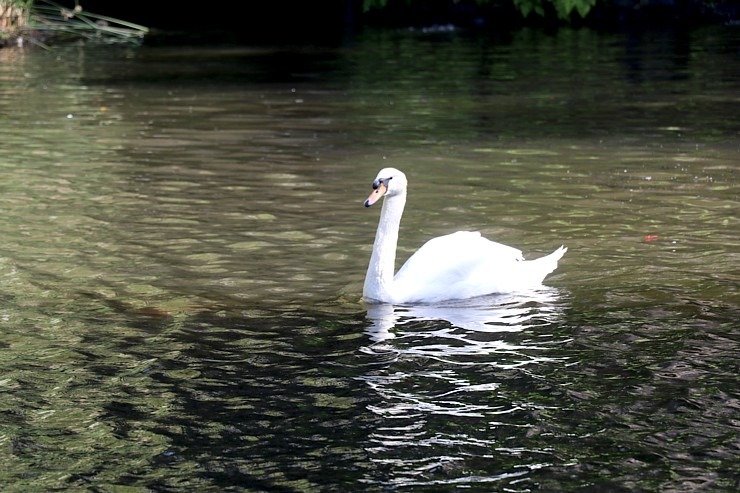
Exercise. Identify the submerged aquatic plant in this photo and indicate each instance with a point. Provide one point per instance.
(44, 19)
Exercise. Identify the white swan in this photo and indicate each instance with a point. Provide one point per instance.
(456, 266)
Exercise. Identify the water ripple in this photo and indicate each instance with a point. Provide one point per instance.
(443, 388)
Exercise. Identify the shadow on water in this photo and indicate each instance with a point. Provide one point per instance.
(515, 393)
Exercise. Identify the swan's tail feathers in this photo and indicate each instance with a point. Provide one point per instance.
(544, 265)
(557, 254)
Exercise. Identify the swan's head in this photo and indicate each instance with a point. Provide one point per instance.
(388, 183)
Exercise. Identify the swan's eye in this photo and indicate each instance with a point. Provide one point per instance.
(379, 181)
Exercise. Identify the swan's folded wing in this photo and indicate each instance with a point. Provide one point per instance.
(451, 262)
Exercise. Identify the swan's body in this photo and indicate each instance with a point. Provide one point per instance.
(456, 266)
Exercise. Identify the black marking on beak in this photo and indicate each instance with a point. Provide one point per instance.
(377, 187)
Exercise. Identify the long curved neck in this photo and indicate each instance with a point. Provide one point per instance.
(379, 278)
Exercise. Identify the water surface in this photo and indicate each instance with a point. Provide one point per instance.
(184, 244)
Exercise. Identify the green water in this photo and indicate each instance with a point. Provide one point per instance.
(183, 246)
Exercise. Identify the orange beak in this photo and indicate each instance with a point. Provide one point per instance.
(376, 195)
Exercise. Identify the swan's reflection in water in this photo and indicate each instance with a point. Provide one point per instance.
(495, 313)
(454, 383)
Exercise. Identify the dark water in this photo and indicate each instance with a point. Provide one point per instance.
(183, 246)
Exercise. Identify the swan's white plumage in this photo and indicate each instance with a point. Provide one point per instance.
(456, 266)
